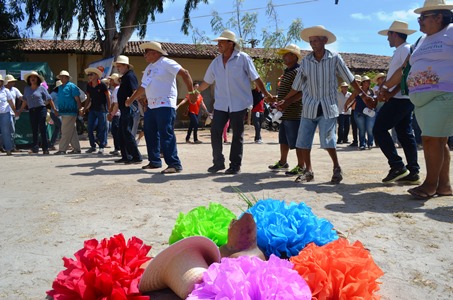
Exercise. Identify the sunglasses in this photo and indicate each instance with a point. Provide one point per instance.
(422, 17)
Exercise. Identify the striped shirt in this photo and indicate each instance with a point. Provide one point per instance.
(294, 110)
(318, 83)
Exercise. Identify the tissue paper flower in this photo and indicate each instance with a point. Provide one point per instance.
(109, 269)
(284, 230)
(250, 278)
(211, 222)
(339, 270)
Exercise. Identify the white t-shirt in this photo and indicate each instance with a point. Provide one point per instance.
(159, 82)
(342, 101)
(5, 95)
(16, 94)
(114, 99)
(432, 63)
(398, 59)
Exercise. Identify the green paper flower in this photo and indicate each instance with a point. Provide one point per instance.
(211, 222)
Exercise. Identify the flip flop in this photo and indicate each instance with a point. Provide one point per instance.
(419, 194)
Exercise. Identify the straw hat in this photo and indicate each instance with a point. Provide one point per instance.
(63, 73)
(123, 59)
(226, 35)
(291, 48)
(115, 77)
(379, 75)
(398, 26)
(153, 46)
(318, 30)
(358, 78)
(10, 78)
(365, 78)
(1, 78)
(344, 83)
(433, 5)
(35, 74)
(93, 70)
(180, 266)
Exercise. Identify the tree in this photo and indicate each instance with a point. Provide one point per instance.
(9, 32)
(113, 21)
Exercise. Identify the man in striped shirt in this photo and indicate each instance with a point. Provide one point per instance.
(317, 79)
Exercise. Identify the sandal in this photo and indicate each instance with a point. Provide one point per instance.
(307, 176)
(419, 194)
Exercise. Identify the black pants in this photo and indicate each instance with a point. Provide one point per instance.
(129, 149)
(116, 132)
(237, 144)
(38, 126)
(343, 128)
(354, 129)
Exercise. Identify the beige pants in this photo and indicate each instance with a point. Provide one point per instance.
(69, 134)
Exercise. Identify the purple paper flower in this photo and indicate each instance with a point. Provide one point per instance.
(247, 278)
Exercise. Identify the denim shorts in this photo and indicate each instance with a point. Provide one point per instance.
(287, 133)
(327, 132)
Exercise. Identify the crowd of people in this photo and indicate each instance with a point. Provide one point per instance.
(309, 97)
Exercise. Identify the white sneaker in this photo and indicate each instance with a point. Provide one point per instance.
(101, 151)
(259, 141)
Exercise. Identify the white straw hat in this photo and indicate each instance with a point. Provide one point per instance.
(63, 73)
(398, 26)
(433, 5)
(365, 78)
(180, 266)
(379, 75)
(226, 35)
(358, 78)
(94, 70)
(318, 30)
(10, 78)
(291, 48)
(123, 59)
(35, 74)
(153, 46)
(344, 83)
(58, 83)
(115, 77)
(1, 78)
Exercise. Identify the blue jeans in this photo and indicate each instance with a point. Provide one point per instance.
(397, 113)
(193, 125)
(160, 135)
(99, 118)
(327, 132)
(257, 118)
(365, 124)
(57, 128)
(7, 133)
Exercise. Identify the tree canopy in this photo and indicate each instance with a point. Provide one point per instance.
(110, 22)
(9, 32)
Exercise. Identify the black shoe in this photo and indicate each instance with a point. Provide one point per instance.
(353, 144)
(411, 179)
(133, 161)
(121, 161)
(395, 174)
(233, 170)
(151, 166)
(216, 168)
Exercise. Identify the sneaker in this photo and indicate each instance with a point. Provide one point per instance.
(277, 167)
(101, 151)
(233, 170)
(411, 179)
(74, 151)
(216, 168)
(395, 174)
(353, 144)
(60, 153)
(295, 171)
(307, 176)
(91, 150)
(362, 148)
(121, 161)
(337, 176)
(114, 152)
(171, 170)
(260, 141)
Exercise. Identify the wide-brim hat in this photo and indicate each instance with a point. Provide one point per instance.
(123, 59)
(318, 30)
(358, 78)
(398, 26)
(344, 83)
(10, 78)
(180, 266)
(63, 73)
(291, 48)
(1, 78)
(153, 46)
(115, 77)
(35, 74)
(94, 70)
(433, 5)
(365, 78)
(226, 35)
(379, 75)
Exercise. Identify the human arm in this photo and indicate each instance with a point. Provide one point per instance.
(54, 108)
(185, 75)
(287, 101)
(348, 104)
(182, 102)
(259, 83)
(86, 105)
(135, 95)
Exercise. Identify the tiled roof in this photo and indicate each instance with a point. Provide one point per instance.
(355, 61)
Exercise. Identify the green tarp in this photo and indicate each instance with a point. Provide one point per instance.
(42, 68)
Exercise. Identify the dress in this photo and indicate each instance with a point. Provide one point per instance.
(430, 83)
(233, 95)
(159, 82)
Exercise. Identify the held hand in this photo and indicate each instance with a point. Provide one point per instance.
(128, 102)
(383, 96)
(82, 111)
(281, 105)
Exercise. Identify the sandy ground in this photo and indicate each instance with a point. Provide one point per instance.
(51, 204)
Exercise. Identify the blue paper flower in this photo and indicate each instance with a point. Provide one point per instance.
(284, 230)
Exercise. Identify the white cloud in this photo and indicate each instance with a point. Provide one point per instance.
(360, 16)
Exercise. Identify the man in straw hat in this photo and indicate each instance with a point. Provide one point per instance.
(6, 105)
(98, 101)
(69, 105)
(344, 119)
(320, 107)
(292, 110)
(159, 85)
(10, 83)
(114, 112)
(128, 85)
(232, 72)
(397, 113)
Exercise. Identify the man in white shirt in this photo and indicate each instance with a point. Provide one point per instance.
(344, 117)
(397, 112)
(232, 71)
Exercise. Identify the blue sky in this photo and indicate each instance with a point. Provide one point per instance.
(354, 22)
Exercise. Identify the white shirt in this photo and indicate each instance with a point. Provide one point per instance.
(342, 101)
(398, 59)
(5, 95)
(159, 82)
(16, 94)
(114, 98)
(233, 91)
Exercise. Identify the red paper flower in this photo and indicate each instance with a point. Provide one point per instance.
(109, 269)
(338, 270)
